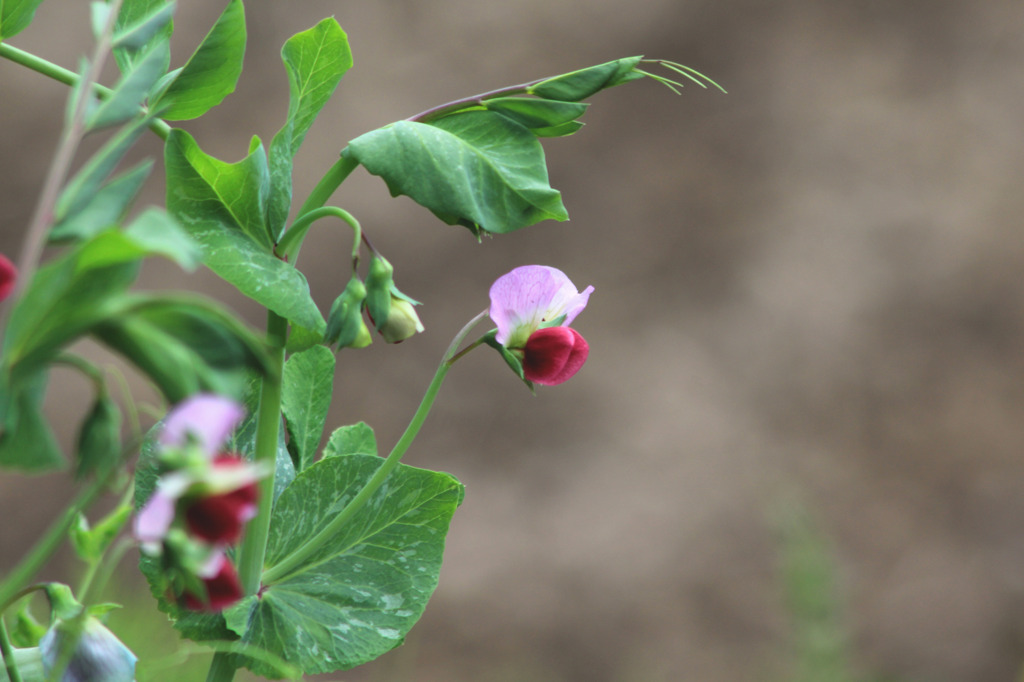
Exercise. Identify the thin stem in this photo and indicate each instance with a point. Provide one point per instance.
(68, 77)
(7, 652)
(293, 563)
(291, 242)
(32, 249)
(105, 563)
(443, 109)
(252, 552)
(335, 175)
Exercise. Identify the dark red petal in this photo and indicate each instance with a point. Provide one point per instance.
(8, 275)
(219, 519)
(553, 355)
(222, 590)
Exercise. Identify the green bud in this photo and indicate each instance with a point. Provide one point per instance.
(581, 84)
(401, 323)
(345, 325)
(379, 281)
(99, 440)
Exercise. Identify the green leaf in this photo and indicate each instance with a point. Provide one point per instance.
(99, 13)
(364, 590)
(232, 254)
(581, 84)
(27, 442)
(67, 297)
(211, 72)
(82, 189)
(140, 22)
(259, 275)
(240, 188)
(354, 439)
(106, 208)
(158, 234)
(185, 344)
(128, 95)
(91, 543)
(99, 438)
(474, 168)
(537, 113)
(16, 15)
(316, 60)
(305, 399)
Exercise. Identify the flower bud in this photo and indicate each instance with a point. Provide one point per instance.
(345, 324)
(8, 276)
(553, 355)
(98, 655)
(402, 322)
(379, 281)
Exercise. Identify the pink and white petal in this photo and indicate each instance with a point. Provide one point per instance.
(521, 300)
(209, 419)
(154, 520)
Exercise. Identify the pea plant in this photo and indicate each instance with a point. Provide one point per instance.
(281, 557)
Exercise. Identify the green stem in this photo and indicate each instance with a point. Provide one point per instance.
(253, 549)
(7, 653)
(67, 77)
(291, 242)
(252, 552)
(222, 668)
(336, 175)
(293, 563)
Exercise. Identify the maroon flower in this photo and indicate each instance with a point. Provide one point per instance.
(219, 518)
(222, 587)
(8, 275)
(553, 355)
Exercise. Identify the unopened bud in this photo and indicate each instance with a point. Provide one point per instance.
(379, 281)
(98, 656)
(345, 324)
(402, 322)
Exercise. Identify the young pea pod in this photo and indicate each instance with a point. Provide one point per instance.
(345, 325)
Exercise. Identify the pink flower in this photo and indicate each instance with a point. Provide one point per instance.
(214, 494)
(207, 419)
(8, 276)
(533, 307)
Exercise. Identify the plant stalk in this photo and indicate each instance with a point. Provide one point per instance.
(253, 550)
(331, 180)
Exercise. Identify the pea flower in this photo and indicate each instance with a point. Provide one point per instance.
(99, 656)
(216, 493)
(533, 306)
(8, 276)
(201, 501)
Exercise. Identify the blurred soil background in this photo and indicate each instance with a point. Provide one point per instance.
(808, 291)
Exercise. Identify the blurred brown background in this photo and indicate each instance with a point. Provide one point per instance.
(809, 288)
